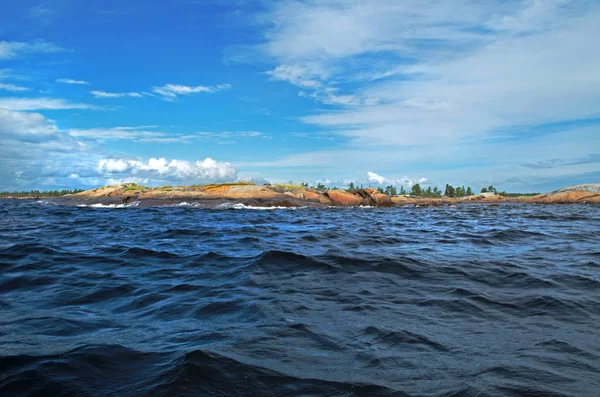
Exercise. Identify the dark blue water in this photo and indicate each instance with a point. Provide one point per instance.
(472, 300)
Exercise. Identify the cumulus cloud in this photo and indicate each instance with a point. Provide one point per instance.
(37, 154)
(24, 125)
(72, 81)
(373, 177)
(170, 91)
(104, 94)
(404, 181)
(162, 170)
(12, 87)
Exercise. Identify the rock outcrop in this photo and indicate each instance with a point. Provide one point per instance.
(292, 195)
(373, 197)
(567, 197)
(343, 198)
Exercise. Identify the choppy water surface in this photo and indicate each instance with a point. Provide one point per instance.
(471, 300)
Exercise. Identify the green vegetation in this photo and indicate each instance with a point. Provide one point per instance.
(459, 191)
(518, 195)
(135, 187)
(320, 186)
(391, 191)
(40, 194)
(489, 189)
(286, 187)
(166, 187)
(215, 185)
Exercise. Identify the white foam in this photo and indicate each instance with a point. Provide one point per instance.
(240, 206)
(46, 202)
(100, 205)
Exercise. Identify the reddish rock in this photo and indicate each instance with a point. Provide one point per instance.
(340, 197)
(382, 200)
(321, 198)
(374, 197)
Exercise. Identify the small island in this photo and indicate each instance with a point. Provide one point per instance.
(290, 195)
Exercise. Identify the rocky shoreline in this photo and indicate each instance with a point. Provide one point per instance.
(212, 196)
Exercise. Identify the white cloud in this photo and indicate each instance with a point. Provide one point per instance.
(451, 70)
(404, 181)
(172, 90)
(14, 49)
(24, 125)
(12, 87)
(13, 103)
(43, 14)
(305, 76)
(373, 177)
(148, 133)
(116, 133)
(250, 134)
(37, 154)
(72, 81)
(103, 94)
(175, 171)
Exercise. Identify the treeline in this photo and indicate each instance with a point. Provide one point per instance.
(418, 191)
(430, 192)
(37, 193)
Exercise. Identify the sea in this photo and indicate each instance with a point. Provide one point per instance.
(471, 300)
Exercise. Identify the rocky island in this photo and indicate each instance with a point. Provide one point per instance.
(251, 195)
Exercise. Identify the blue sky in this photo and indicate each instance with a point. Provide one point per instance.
(375, 92)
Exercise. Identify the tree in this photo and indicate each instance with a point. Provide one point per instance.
(416, 190)
(390, 190)
(351, 186)
(402, 191)
(449, 192)
(436, 192)
(380, 190)
(469, 192)
(458, 192)
(483, 190)
(429, 192)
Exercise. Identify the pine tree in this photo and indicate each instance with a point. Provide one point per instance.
(416, 190)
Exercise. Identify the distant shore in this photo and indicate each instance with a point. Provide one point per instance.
(212, 196)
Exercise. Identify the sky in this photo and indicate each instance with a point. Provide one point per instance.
(374, 92)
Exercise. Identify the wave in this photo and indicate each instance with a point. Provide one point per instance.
(117, 370)
(469, 301)
(132, 204)
(240, 206)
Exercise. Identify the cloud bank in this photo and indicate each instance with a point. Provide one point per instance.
(162, 170)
